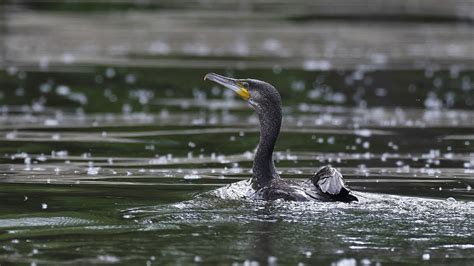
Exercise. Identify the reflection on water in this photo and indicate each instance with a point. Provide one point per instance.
(113, 150)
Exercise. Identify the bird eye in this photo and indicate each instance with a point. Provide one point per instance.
(245, 84)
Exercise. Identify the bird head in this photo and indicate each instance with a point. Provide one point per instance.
(259, 94)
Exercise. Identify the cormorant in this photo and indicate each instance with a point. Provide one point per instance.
(326, 185)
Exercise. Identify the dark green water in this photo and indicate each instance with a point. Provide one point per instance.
(119, 155)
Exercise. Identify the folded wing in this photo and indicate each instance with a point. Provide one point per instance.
(329, 180)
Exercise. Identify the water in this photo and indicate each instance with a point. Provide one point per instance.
(115, 150)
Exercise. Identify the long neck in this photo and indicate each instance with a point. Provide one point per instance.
(263, 168)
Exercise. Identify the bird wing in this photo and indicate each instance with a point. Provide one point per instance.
(329, 180)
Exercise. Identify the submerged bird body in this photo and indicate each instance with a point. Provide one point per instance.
(313, 189)
(326, 185)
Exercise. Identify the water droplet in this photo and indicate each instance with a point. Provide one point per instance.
(451, 199)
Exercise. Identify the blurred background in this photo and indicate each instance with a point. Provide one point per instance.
(280, 41)
(106, 122)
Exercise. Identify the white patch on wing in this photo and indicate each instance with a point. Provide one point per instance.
(331, 182)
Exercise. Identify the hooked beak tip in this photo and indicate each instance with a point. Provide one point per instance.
(206, 77)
